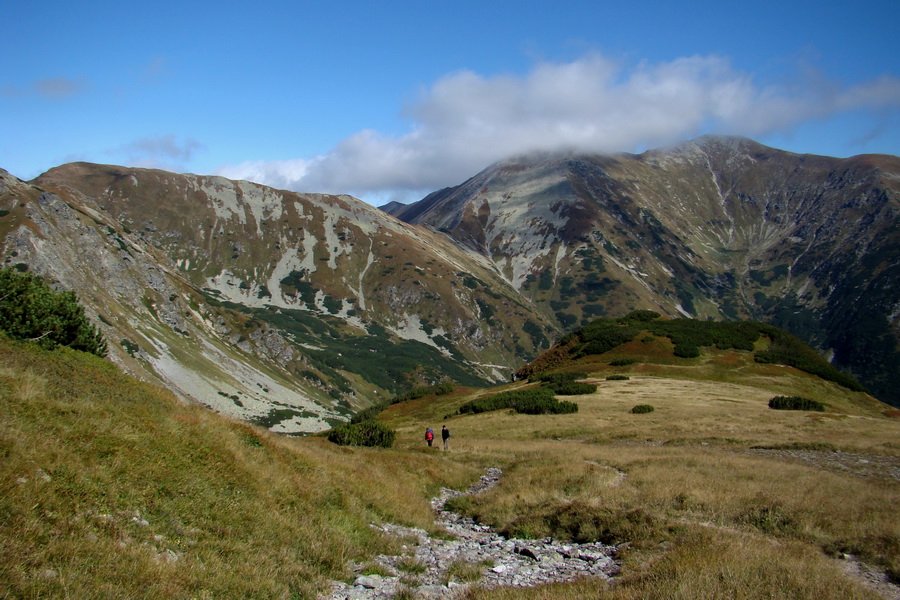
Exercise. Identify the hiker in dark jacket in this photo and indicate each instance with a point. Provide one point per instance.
(429, 435)
(445, 435)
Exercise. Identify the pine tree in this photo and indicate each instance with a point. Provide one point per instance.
(32, 310)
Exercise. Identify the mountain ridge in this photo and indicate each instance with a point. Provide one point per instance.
(186, 273)
(295, 310)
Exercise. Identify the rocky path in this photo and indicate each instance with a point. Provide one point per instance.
(472, 555)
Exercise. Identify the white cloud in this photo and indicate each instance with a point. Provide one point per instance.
(161, 152)
(465, 121)
(280, 174)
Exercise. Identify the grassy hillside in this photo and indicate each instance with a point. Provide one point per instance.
(112, 488)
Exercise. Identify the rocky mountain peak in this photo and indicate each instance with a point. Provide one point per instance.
(715, 227)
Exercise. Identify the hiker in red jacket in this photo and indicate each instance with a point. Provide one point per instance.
(429, 435)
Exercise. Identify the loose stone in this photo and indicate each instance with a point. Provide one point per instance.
(515, 562)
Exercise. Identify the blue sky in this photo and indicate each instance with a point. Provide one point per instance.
(394, 100)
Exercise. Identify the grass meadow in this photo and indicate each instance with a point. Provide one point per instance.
(713, 494)
(113, 488)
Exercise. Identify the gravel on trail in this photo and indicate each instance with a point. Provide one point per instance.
(431, 567)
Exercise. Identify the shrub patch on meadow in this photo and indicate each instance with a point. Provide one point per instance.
(367, 433)
(536, 400)
(689, 336)
(565, 383)
(795, 403)
(532, 401)
(623, 362)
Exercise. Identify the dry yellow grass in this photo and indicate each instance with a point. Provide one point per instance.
(719, 496)
(704, 564)
(111, 488)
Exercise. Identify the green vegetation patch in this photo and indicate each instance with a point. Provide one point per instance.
(276, 415)
(623, 362)
(791, 351)
(295, 285)
(130, 347)
(537, 336)
(367, 433)
(558, 377)
(690, 335)
(31, 310)
(601, 336)
(532, 401)
(641, 409)
(545, 282)
(564, 383)
(795, 403)
(470, 281)
(573, 388)
(486, 310)
(414, 394)
(379, 358)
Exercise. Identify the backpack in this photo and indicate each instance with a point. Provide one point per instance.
(429, 434)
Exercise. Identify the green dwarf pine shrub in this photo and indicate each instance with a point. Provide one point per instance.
(31, 310)
(564, 383)
(559, 377)
(623, 362)
(573, 388)
(533, 401)
(367, 433)
(795, 403)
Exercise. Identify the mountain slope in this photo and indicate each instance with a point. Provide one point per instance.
(113, 488)
(291, 310)
(718, 227)
(295, 310)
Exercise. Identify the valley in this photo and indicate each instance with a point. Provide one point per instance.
(712, 494)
